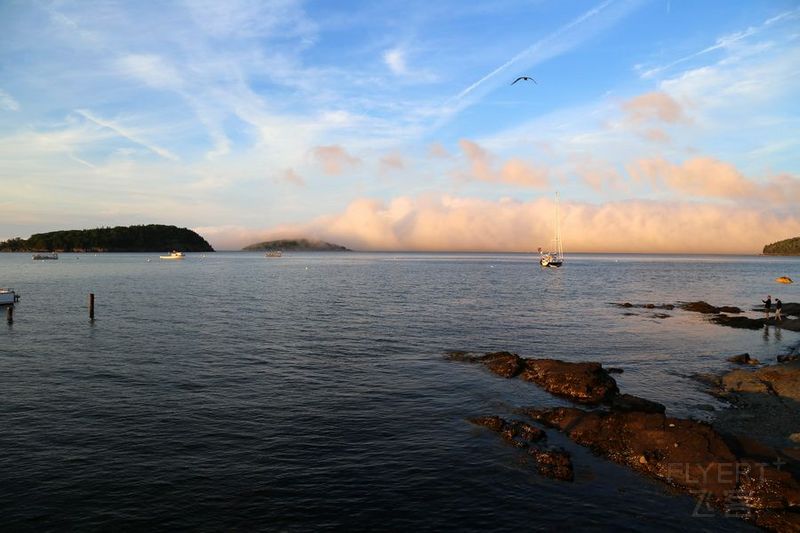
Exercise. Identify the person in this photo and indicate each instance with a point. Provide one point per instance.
(767, 304)
(778, 307)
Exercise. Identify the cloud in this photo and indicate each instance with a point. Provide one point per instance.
(724, 42)
(290, 176)
(151, 69)
(393, 162)
(554, 44)
(127, 134)
(710, 178)
(513, 172)
(439, 223)
(437, 149)
(334, 159)
(652, 107)
(395, 59)
(8, 102)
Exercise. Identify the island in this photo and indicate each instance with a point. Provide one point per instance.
(784, 247)
(143, 238)
(296, 245)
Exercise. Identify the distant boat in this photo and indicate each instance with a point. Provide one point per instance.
(8, 297)
(45, 257)
(555, 258)
(274, 253)
(173, 255)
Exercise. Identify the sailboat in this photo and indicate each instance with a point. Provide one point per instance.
(556, 258)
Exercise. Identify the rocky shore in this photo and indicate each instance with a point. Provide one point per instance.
(723, 465)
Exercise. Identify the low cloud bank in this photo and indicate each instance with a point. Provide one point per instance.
(447, 223)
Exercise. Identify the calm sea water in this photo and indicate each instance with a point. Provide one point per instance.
(234, 392)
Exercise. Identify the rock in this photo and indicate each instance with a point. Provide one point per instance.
(795, 437)
(553, 463)
(505, 364)
(741, 322)
(744, 359)
(780, 380)
(686, 454)
(788, 358)
(586, 383)
(661, 315)
(628, 305)
(707, 308)
(629, 403)
(516, 432)
(614, 370)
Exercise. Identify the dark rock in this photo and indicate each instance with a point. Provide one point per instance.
(788, 358)
(505, 364)
(707, 308)
(743, 359)
(741, 322)
(630, 403)
(586, 383)
(553, 463)
(627, 305)
(614, 370)
(516, 432)
(687, 454)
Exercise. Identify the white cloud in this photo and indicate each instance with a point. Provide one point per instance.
(395, 59)
(8, 102)
(132, 136)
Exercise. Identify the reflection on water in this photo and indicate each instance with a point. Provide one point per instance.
(309, 392)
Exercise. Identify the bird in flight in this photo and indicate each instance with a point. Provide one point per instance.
(526, 78)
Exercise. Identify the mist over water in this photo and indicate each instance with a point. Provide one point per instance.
(230, 391)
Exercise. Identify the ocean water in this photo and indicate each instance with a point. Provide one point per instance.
(233, 392)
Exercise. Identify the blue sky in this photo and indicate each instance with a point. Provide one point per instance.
(665, 125)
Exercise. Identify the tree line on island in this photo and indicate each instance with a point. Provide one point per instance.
(296, 245)
(143, 238)
(784, 247)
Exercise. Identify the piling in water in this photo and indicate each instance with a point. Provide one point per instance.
(91, 306)
(10, 314)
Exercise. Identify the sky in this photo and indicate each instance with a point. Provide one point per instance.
(664, 125)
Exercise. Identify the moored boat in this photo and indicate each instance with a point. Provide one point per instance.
(173, 255)
(555, 258)
(8, 297)
(274, 253)
(45, 257)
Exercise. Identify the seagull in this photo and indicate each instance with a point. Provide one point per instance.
(526, 78)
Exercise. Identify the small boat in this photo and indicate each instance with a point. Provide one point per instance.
(45, 257)
(173, 255)
(784, 279)
(556, 258)
(8, 297)
(274, 253)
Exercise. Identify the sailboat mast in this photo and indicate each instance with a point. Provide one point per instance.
(559, 247)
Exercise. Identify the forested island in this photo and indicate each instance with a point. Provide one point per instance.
(296, 245)
(144, 238)
(785, 247)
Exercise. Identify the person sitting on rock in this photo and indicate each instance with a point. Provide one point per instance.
(778, 307)
(767, 304)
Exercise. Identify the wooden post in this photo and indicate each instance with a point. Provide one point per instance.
(10, 314)
(91, 306)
